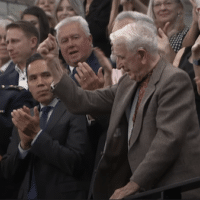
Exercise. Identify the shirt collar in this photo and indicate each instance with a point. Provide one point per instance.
(5, 66)
(19, 70)
(52, 104)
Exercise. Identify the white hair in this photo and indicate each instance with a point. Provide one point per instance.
(134, 15)
(140, 34)
(78, 19)
(4, 23)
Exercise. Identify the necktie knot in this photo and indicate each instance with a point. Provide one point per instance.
(46, 109)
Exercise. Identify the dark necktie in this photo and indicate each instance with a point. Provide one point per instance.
(44, 116)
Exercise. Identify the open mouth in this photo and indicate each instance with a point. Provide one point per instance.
(42, 92)
(73, 52)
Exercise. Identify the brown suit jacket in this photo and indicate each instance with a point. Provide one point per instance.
(164, 146)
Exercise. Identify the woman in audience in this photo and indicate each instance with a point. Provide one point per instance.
(125, 5)
(49, 7)
(69, 8)
(185, 59)
(169, 16)
(38, 18)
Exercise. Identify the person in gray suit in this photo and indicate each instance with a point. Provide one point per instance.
(46, 156)
(153, 136)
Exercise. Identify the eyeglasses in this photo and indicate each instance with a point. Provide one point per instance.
(165, 3)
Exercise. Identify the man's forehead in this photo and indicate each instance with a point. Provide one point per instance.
(71, 28)
(38, 66)
(15, 32)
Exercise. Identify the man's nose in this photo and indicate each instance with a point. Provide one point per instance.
(9, 47)
(40, 82)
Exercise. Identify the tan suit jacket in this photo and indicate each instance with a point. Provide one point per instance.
(164, 146)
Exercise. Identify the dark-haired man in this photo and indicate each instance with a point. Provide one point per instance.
(49, 145)
(22, 41)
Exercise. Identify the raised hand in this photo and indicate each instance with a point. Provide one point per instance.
(87, 79)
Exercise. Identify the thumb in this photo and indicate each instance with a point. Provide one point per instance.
(166, 27)
(100, 74)
(161, 33)
(36, 112)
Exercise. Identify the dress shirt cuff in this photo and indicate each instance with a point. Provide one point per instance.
(32, 143)
(22, 153)
(90, 120)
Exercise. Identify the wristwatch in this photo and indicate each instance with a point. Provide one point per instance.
(53, 86)
(196, 62)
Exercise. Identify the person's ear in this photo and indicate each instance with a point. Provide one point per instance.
(142, 55)
(91, 40)
(34, 42)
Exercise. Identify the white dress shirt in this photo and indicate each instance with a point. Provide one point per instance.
(22, 77)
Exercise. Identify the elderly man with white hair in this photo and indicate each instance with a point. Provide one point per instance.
(152, 128)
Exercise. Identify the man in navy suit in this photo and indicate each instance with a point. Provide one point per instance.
(47, 150)
(22, 41)
(75, 42)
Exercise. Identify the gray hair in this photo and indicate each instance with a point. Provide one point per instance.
(83, 23)
(77, 6)
(140, 34)
(4, 23)
(134, 15)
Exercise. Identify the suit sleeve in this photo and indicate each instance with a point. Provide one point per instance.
(68, 150)
(12, 166)
(79, 101)
(176, 109)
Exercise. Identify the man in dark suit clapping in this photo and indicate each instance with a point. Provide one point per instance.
(49, 144)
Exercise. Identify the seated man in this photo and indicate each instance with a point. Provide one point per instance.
(22, 41)
(48, 147)
(75, 42)
(152, 128)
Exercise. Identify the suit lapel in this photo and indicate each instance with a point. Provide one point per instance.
(148, 94)
(55, 116)
(122, 101)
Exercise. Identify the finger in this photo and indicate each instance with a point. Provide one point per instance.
(161, 33)
(14, 122)
(165, 29)
(36, 112)
(15, 114)
(79, 71)
(78, 78)
(100, 73)
(26, 110)
(87, 69)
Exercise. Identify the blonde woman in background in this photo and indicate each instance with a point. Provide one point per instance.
(169, 16)
(69, 8)
(49, 7)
